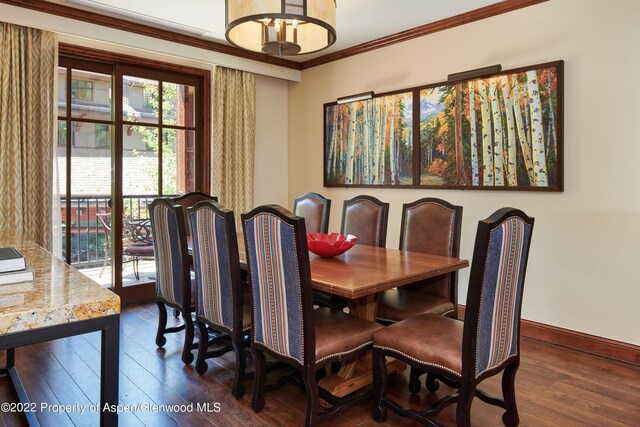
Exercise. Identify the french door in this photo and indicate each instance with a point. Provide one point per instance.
(127, 134)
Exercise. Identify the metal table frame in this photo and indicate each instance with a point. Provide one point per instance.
(109, 326)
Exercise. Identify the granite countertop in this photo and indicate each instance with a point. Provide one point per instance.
(58, 294)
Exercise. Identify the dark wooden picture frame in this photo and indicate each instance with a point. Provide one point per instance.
(429, 137)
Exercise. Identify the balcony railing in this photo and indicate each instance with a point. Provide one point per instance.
(87, 233)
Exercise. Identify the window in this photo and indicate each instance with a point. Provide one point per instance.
(103, 137)
(127, 133)
(82, 90)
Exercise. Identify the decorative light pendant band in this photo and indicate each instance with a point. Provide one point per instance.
(281, 27)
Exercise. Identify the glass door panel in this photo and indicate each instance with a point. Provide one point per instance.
(91, 95)
(62, 93)
(139, 188)
(178, 161)
(90, 226)
(126, 135)
(59, 214)
(178, 104)
(140, 100)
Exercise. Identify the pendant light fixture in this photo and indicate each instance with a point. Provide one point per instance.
(281, 27)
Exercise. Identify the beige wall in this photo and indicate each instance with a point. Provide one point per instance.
(271, 175)
(586, 241)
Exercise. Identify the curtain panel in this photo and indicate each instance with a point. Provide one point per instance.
(27, 123)
(233, 146)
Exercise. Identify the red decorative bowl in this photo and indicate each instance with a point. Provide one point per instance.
(329, 245)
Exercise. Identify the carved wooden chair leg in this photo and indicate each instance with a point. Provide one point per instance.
(379, 413)
(237, 390)
(431, 382)
(257, 400)
(311, 387)
(510, 418)
(162, 325)
(187, 355)
(463, 409)
(201, 362)
(414, 381)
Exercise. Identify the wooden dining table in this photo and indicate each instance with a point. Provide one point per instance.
(359, 275)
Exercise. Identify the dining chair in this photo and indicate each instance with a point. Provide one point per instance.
(189, 199)
(366, 218)
(137, 242)
(186, 201)
(432, 226)
(173, 278)
(222, 305)
(463, 354)
(285, 324)
(315, 210)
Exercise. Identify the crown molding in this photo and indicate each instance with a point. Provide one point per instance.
(151, 31)
(433, 27)
(147, 30)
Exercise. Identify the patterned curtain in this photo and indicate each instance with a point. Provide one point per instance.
(27, 75)
(232, 150)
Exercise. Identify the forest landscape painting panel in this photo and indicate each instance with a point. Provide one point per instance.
(498, 132)
(370, 142)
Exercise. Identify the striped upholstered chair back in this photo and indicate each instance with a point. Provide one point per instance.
(215, 258)
(494, 300)
(190, 199)
(173, 281)
(279, 273)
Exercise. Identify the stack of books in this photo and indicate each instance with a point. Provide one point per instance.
(13, 269)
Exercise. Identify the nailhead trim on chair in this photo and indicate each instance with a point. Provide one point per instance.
(435, 365)
(515, 222)
(343, 353)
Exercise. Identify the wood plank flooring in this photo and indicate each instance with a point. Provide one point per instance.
(555, 386)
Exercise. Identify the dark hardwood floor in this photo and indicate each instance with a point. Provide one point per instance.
(555, 386)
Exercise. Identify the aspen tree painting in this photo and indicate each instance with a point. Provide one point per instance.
(370, 142)
(498, 132)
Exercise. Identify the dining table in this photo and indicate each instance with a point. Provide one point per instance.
(360, 275)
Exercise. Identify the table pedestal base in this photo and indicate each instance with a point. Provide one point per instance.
(341, 386)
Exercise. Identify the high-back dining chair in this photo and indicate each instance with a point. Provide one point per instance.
(366, 218)
(463, 354)
(189, 199)
(173, 280)
(221, 305)
(432, 226)
(315, 210)
(285, 324)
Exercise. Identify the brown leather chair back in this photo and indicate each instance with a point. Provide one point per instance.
(315, 210)
(366, 218)
(433, 226)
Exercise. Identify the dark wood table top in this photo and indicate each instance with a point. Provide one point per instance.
(366, 270)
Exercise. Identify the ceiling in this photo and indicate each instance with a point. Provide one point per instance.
(358, 21)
